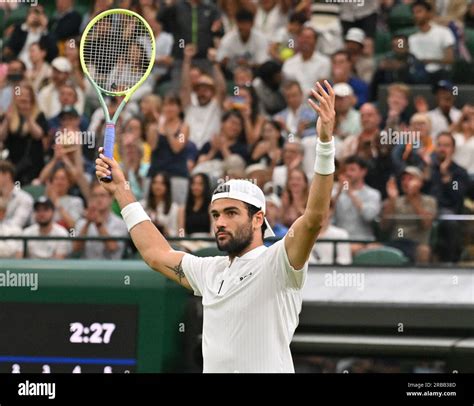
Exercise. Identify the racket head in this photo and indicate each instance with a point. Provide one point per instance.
(117, 52)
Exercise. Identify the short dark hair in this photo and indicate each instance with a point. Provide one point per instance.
(244, 16)
(299, 18)
(342, 52)
(422, 3)
(7, 167)
(354, 159)
(447, 134)
(252, 210)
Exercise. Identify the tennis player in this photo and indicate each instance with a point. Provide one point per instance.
(252, 297)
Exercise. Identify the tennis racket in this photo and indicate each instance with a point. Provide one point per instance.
(117, 54)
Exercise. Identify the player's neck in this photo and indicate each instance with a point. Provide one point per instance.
(254, 244)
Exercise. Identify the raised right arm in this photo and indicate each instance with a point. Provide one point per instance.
(151, 244)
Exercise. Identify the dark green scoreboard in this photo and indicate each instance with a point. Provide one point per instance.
(89, 316)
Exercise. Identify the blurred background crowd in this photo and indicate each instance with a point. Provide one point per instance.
(227, 98)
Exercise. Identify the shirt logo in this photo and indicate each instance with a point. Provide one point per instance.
(243, 277)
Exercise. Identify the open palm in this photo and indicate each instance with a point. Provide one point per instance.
(325, 110)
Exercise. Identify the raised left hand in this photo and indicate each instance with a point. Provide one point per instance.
(325, 110)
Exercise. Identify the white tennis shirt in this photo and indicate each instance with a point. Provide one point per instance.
(251, 309)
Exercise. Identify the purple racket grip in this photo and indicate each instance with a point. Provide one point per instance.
(109, 141)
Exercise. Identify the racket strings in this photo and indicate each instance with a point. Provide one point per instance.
(117, 52)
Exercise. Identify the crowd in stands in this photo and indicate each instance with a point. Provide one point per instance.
(227, 98)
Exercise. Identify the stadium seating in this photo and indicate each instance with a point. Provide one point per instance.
(208, 252)
(380, 256)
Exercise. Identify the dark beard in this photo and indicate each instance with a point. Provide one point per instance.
(236, 244)
(44, 223)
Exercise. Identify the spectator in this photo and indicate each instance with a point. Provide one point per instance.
(298, 118)
(22, 132)
(448, 181)
(292, 157)
(411, 235)
(260, 174)
(45, 226)
(68, 99)
(19, 203)
(268, 150)
(363, 143)
(294, 197)
(171, 148)
(68, 208)
(356, 204)
(204, 118)
(417, 149)
(398, 114)
(270, 16)
(229, 10)
(246, 101)
(194, 217)
(323, 252)
(233, 167)
(342, 72)
(48, 97)
(398, 65)
(164, 42)
(273, 214)
(135, 126)
(243, 46)
(380, 166)
(193, 22)
(159, 205)
(129, 71)
(448, 185)
(100, 221)
(243, 76)
(15, 74)
(365, 17)
(34, 29)
(40, 71)
(464, 137)
(267, 86)
(347, 117)
(70, 157)
(133, 165)
(8, 248)
(71, 52)
(150, 110)
(432, 44)
(445, 114)
(97, 7)
(65, 22)
(283, 43)
(360, 50)
(308, 65)
(229, 141)
(72, 138)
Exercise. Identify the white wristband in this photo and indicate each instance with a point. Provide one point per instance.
(325, 154)
(134, 214)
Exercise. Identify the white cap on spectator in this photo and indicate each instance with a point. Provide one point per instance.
(62, 64)
(343, 90)
(245, 191)
(356, 35)
(254, 168)
(273, 198)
